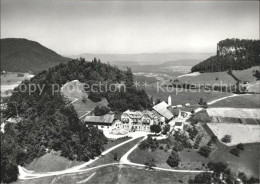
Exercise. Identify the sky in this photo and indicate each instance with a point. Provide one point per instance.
(72, 27)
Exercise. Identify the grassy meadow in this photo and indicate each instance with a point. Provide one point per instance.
(183, 96)
(245, 101)
(82, 104)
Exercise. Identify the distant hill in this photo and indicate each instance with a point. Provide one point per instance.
(182, 62)
(22, 55)
(146, 58)
(232, 54)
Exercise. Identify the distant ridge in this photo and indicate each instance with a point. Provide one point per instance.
(146, 58)
(22, 55)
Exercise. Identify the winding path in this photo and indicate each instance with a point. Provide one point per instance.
(25, 174)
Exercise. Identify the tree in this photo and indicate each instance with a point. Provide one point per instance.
(100, 111)
(205, 105)
(9, 154)
(197, 141)
(218, 167)
(242, 176)
(166, 129)
(158, 101)
(173, 160)
(240, 146)
(235, 151)
(203, 178)
(226, 139)
(150, 163)
(155, 128)
(115, 157)
(205, 151)
(192, 132)
(214, 138)
(129, 81)
(84, 99)
(200, 101)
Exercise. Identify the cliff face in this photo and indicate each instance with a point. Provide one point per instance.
(232, 54)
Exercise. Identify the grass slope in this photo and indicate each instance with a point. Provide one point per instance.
(247, 101)
(210, 78)
(72, 90)
(182, 96)
(50, 162)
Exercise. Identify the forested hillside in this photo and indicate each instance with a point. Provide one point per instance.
(232, 54)
(22, 55)
(49, 123)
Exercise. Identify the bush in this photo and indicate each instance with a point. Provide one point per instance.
(242, 176)
(177, 146)
(100, 111)
(202, 178)
(183, 139)
(205, 151)
(173, 160)
(240, 146)
(235, 151)
(150, 163)
(149, 143)
(95, 97)
(214, 138)
(218, 167)
(197, 141)
(192, 132)
(155, 128)
(161, 147)
(226, 139)
(166, 129)
(115, 157)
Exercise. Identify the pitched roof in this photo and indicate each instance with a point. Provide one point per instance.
(134, 114)
(162, 108)
(100, 119)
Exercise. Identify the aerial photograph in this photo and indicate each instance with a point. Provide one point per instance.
(130, 92)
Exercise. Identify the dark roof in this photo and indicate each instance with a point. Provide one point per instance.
(178, 124)
(100, 119)
(175, 111)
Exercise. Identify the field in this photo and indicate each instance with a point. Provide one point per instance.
(142, 156)
(243, 113)
(250, 132)
(73, 91)
(54, 162)
(183, 96)
(50, 162)
(247, 74)
(128, 175)
(120, 151)
(209, 78)
(247, 162)
(10, 80)
(245, 101)
(218, 77)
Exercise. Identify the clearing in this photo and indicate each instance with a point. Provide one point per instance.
(51, 162)
(82, 104)
(183, 96)
(10, 80)
(243, 113)
(240, 101)
(220, 77)
(250, 132)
